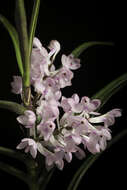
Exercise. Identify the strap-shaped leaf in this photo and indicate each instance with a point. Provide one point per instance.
(89, 161)
(12, 106)
(33, 23)
(108, 91)
(13, 171)
(104, 95)
(85, 46)
(21, 24)
(14, 36)
(12, 154)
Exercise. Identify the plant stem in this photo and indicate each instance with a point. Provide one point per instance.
(32, 170)
(33, 186)
(46, 180)
(38, 176)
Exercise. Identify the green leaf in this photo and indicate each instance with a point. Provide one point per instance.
(21, 24)
(104, 95)
(89, 161)
(109, 90)
(12, 106)
(85, 46)
(13, 154)
(33, 24)
(17, 155)
(13, 171)
(14, 36)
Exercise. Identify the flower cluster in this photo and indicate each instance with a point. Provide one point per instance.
(59, 125)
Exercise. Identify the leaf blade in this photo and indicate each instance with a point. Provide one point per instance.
(13, 171)
(85, 46)
(21, 24)
(14, 36)
(110, 89)
(12, 106)
(90, 160)
(12, 154)
(33, 24)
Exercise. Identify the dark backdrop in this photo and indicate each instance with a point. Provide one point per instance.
(73, 23)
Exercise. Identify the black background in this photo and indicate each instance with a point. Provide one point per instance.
(73, 23)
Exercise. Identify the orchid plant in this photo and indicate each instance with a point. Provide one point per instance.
(56, 127)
